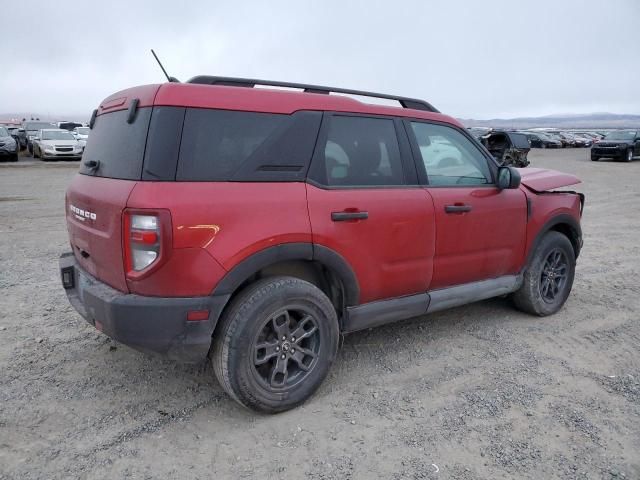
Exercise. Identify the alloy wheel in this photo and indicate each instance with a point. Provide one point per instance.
(286, 349)
(553, 277)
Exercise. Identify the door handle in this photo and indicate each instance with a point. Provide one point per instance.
(346, 216)
(457, 208)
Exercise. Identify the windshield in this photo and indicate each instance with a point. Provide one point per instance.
(3, 132)
(621, 136)
(56, 135)
(83, 130)
(35, 126)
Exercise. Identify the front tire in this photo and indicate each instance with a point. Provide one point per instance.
(549, 276)
(594, 158)
(629, 156)
(275, 344)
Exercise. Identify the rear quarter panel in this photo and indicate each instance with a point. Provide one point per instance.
(216, 225)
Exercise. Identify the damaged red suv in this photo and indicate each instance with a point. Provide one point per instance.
(254, 226)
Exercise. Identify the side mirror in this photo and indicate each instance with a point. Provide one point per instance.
(508, 177)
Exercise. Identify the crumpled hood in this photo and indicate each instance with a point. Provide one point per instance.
(541, 179)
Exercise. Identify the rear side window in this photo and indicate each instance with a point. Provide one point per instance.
(359, 151)
(216, 142)
(118, 146)
(519, 140)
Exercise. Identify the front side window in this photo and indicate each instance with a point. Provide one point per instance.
(449, 157)
(360, 151)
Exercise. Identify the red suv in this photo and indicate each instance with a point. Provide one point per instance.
(255, 225)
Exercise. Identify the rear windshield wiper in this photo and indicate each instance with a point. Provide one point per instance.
(92, 165)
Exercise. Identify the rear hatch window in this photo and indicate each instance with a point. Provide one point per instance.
(117, 146)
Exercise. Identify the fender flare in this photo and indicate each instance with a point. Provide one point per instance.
(562, 218)
(292, 251)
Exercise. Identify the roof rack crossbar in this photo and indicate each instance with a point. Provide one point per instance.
(413, 103)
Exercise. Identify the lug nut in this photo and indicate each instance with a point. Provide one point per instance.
(284, 337)
(283, 356)
(277, 349)
(293, 339)
(293, 350)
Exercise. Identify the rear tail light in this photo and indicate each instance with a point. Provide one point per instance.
(145, 239)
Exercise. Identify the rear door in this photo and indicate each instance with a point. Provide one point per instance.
(111, 165)
(480, 229)
(365, 204)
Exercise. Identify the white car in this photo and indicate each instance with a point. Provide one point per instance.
(81, 134)
(56, 144)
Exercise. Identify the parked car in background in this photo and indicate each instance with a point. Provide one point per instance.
(31, 128)
(69, 125)
(81, 134)
(555, 136)
(581, 140)
(541, 140)
(56, 144)
(19, 134)
(508, 148)
(9, 147)
(620, 145)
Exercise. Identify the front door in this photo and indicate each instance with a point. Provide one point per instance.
(365, 204)
(480, 230)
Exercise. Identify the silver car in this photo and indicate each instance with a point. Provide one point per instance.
(81, 134)
(56, 144)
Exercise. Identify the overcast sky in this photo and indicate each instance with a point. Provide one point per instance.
(480, 59)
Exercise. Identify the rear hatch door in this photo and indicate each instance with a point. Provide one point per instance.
(111, 166)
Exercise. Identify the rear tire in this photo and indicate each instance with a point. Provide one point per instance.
(13, 158)
(275, 344)
(548, 278)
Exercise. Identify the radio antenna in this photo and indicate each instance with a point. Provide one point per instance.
(170, 79)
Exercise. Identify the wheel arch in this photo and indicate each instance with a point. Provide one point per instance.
(317, 264)
(562, 223)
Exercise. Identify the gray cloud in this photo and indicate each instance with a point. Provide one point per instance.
(470, 59)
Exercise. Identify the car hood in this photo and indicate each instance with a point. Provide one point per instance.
(60, 143)
(541, 179)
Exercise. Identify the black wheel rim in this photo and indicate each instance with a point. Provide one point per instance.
(553, 277)
(286, 349)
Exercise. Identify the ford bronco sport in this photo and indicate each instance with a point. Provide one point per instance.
(254, 226)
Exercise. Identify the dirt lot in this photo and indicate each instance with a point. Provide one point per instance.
(480, 391)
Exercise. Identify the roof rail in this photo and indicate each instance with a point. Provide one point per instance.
(413, 103)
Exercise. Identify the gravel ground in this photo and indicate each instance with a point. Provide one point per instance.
(480, 391)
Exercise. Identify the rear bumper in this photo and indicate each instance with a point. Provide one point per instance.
(149, 324)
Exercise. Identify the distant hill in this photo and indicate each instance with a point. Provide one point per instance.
(591, 120)
(6, 117)
(568, 120)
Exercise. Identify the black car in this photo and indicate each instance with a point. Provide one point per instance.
(508, 148)
(541, 140)
(621, 145)
(8, 146)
